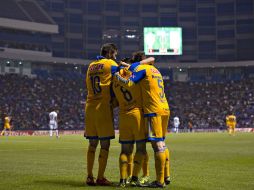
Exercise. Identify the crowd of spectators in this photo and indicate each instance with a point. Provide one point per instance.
(29, 100)
(207, 104)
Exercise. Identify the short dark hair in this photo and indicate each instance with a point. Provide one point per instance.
(138, 56)
(127, 60)
(108, 48)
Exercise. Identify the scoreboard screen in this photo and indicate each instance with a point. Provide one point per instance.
(163, 40)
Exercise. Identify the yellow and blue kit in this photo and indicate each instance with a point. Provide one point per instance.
(154, 102)
(7, 123)
(98, 110)
(131, 121)
(231, 121)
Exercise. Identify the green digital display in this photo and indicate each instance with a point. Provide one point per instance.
(163, 40)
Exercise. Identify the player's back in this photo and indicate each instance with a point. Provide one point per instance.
(98, 80)
(6, 120)
(52, 117)
(231, 119)
(154, 99)
(129, 98)
(176, 120)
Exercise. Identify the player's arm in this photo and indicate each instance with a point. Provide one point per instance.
(227, 121)
(132, 67)
(113, 101)
(147, 61)
(115, 67)
(135, 78)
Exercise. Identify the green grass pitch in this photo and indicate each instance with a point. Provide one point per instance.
(200, 161)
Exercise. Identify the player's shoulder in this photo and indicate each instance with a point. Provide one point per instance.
(150, 69)
(109, 62)
(102, 64)
(140, 67)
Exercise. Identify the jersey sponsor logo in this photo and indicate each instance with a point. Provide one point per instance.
(155, 71)
(96, 67)
(156, 77)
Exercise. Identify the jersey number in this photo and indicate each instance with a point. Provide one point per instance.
(160, 82)
(95, 84)
(126, 94)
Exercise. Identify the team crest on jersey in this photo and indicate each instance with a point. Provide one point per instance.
(155, 71)
(96, 67)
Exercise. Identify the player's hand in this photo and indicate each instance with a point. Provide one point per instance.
(148, 61)
(124, 64)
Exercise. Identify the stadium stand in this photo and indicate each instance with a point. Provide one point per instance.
(6, 6)
(205, 103)
(35, 12)
(26, 10)
(29, 100)
(203, 96)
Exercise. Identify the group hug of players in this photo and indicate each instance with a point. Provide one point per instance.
(138, 90)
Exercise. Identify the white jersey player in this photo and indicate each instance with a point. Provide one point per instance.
(176, 123)
(53, 123)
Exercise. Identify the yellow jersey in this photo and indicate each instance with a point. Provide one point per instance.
(99, 79)
(7, 121)
(152, 89)
(152, 86)
(231, 120)
(128, 98)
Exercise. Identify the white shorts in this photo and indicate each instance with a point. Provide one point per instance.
(53, 126)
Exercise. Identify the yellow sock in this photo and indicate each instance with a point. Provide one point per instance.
(145, 166)
(130, 165)
(160, 166)
(167, 163)
(90, 160)
(123, 165)
(138, 162)
(103, 158)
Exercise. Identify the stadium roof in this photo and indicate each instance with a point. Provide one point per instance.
(26, 15)
(35, 56)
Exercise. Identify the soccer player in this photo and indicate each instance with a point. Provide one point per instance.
(176, 123)
(7, 125)
(131, 128)
(156, 113)
(99, 111)
(231, 123)
(53, 125)
(190, 126)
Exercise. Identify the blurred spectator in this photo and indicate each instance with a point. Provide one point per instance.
(190, 126)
